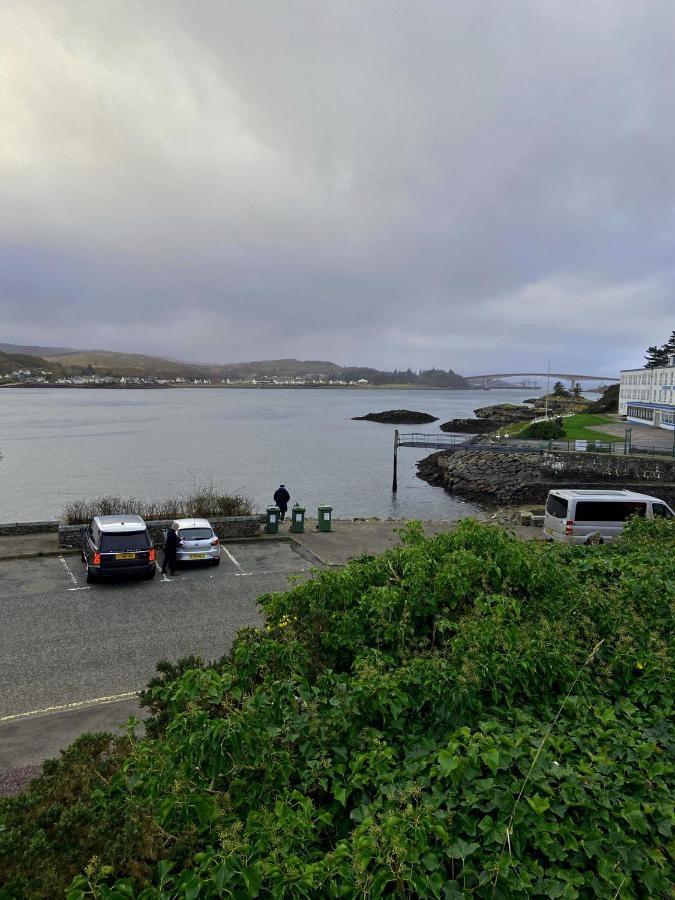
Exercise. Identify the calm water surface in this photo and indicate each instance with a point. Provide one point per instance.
(62, 444)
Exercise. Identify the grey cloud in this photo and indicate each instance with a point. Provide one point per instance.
(400, 184)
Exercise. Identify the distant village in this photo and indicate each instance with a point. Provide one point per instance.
(28, 377)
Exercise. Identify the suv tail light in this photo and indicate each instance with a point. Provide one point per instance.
(97, 558)
(569, 526)
(215, 542)
(151, 555)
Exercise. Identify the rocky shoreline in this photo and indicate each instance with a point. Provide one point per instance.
(509, 478)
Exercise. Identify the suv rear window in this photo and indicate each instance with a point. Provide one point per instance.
(133, 540)
(556, 506)
(599, 511)
(196, 534)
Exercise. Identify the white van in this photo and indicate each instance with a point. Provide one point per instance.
(573, 516)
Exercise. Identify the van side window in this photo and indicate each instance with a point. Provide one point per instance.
(661, 511)
(556, 506)
(598, 511)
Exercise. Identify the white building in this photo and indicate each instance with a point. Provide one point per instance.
(647, 396)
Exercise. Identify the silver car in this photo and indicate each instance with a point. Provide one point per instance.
(199, 541)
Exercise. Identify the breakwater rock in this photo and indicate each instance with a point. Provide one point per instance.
(469, 426)
(398, 417)
(514, 478)
(490, 418)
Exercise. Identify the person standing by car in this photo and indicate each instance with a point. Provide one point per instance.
(170, 547)
(281, 498)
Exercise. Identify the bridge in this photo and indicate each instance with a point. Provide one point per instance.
(486, 379)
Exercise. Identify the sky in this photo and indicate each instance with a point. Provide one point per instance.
(475, 185)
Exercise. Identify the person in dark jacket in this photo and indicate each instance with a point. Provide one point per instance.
(171, 545)
(281, 498)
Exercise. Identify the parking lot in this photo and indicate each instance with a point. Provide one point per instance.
(73, 654)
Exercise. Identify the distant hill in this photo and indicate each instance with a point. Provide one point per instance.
(107, 362)
(128, 364)
(43, 352)
(10, 362)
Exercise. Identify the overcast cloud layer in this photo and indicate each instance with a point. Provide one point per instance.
(475, 185)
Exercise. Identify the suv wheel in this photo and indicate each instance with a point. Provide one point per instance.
(91, 578)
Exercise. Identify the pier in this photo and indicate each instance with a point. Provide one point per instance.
(430, 441)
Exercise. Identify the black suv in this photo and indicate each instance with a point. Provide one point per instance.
(118, 545)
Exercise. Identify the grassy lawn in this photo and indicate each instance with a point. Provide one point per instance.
(577, 428)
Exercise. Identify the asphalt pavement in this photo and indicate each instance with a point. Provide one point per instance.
(73, 655)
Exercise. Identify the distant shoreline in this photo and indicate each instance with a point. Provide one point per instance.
(263, 387)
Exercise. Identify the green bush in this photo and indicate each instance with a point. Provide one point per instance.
(467, 715)
(549, 429)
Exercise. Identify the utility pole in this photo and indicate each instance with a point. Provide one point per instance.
(394, 484)
(548, 379)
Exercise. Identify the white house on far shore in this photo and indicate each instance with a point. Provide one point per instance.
(647, 396)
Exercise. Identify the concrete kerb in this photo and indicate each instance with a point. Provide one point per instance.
(37, 554)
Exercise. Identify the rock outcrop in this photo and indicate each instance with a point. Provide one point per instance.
(469, 426)
(506, 413)
(490, 418)
(398, 417)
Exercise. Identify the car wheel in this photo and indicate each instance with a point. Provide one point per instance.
(216, 562)
(91, 578)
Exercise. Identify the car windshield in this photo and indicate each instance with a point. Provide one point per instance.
(196, 534)
(134, 540)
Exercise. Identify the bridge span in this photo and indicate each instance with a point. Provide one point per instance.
(568, 376)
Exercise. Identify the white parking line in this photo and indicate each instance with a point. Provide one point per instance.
(72, 577)
(231, 557)
(68, 570)
(114, 698)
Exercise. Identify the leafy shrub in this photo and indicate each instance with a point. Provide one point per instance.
(549, 429)
(467, 715)
(202, 501)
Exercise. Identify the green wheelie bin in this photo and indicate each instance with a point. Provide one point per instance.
(272, 523)
(298, 519)
(325, 513)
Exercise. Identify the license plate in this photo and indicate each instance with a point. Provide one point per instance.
(198, 556)
(125, 556)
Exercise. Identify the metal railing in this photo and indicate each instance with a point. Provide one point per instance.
(417, 439)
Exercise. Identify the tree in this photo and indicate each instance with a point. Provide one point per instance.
(559, 390)
(576, 390)
(659, 356)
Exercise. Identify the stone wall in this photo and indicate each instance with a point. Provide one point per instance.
(609, 466)
(514, 478)
(226, 527)
(12, 528)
